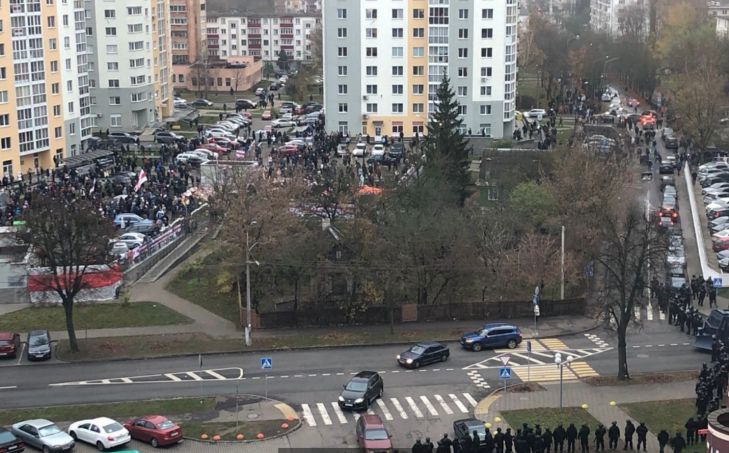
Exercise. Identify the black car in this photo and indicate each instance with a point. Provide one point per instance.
(423, 354)
(39, 345)
(465, 428)
(244, 104)
(122, 137)
(666, 168)
(381, 159)
(9, 443)
(149, 229)
(201, 103)
(396, 150)
(121, 179)
(362, 390)
(168, 137)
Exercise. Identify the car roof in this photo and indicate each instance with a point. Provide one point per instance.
(372, 421)
(364, 374)
(493, 325)
(154, 418)
(99, 421)
(37, 423)
(469, 422)
(426, 344)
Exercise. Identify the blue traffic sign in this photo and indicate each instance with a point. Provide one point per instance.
(266, 363)
(717, 282)
(505, 373)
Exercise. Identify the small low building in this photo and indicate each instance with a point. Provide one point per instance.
(240, 73)
(717, 439)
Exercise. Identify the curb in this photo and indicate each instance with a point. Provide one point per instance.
(595, 326)
(245, 441)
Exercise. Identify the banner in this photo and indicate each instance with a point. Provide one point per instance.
(98, 283)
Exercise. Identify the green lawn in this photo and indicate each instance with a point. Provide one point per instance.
(550, 417)
(97, 316)
(669, 415)
(117, 411)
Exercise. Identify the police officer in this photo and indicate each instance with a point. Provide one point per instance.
(499, 441)
(613, 436)
(642, 433)
(663, 438)
(690, 429)
(584, 436)
(418, 447)
(571, 437)
(629, 431)
(558, 435)
(600, 438)
(678, 443)
(508, 441)
(428, 446)
(547, 438)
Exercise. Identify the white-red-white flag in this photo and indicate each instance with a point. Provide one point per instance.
(141, 179)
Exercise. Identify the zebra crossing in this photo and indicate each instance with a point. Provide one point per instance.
(649, 313)
(545, 374)
(391, 408)
(536, 358)
(217, 374)
(477, 379)
(597, 340)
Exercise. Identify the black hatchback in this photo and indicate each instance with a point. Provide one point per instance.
(362, 390)
(423, 354)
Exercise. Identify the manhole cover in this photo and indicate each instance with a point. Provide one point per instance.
(253, 416)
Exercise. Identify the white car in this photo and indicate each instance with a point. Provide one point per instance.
(219, 133)
(205, 153)
(360, 150)
(342, 150)
(536, 113)
(378, 150)
(193, 158)
(102, 432)
(179, 102)
(281, 122)
(132, 239)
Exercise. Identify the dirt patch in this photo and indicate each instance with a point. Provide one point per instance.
(647, 378)
(525, 388)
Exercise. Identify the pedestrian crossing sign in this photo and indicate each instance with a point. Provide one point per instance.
(266, 363)
(717, 282)
(505, 372)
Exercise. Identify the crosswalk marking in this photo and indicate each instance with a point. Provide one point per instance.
(194, 376)
(398, 407)
(470, 399)
(414, 407)
(126, 380)
(324, 414)
(428, 405)
(458, 403)
(385, 410)
(338, 412)
(649, 314)
(554, 343)
(536, 346)
(308, 415)
(357, 415)
(172, 377)
(527, 358)
(443, 404)
(215, 375)
(582, 369)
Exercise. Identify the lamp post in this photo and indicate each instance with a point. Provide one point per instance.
(249, 247)
(561, 364)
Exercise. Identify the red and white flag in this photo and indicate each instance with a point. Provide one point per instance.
(141, 179)
(240, 154)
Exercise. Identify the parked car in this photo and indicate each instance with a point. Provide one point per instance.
(9, 443)
(9, 344)
(102, 432)
(266, 115)
(129, 219)
(158, 431)
(179, 102)
(666, 168)
(423, 354)
(190, 157)
(168, 137)
(132, 239)
(378, 150)
(245, 104)
(360, 150)
(536, 113)
(465, 427)
(43, 435)
(342, 150)
(281, 122)
(382, 159)
(492, 336)
(123, 137)
(372, 436)
(119, 249)
(39, 345)
(396, 150)
(215, 148)
(200, 102)
(362, 390)
(147, 229)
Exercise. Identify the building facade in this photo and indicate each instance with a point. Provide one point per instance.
(261, 37)
(384, 61)
(189, 31)
(605, 15)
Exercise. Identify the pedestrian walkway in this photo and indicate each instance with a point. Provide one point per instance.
(391, 408)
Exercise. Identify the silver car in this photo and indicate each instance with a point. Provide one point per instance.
(43, 435)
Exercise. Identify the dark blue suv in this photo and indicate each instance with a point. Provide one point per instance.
(495, 335)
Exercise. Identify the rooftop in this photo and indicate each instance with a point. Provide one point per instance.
(250, 8)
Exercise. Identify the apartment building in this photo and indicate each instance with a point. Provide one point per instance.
(130, 62)
(384, 60)
(303, 6)
(189, 31)
(260, 36)
(605, 14)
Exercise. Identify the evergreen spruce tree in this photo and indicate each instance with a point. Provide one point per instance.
(446, 147)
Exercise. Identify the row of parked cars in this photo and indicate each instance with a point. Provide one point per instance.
(714, 180)
(104, 433)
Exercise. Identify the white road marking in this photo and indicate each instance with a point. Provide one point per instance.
(326, 374)
(283, 377)
(661, 345)
(324, 414)
(338, 412)
(470, 399)
(529, 358)
(396, 371)
(661, 316)
(20, 356)
(340, 374)
(312, 375)
(636, 311)
(256, 378)
(308, 416)
(413, 407)
(458, 402)
(172, 377)
(449, 369)
(674, 344)
(218, 376)
(428, 405)
(356, 416)
(649, 314)
(106, 381)
(543, 354)
(9, 387)
(443, 404)
(126, 380)
(194, 376)
(398, 407)
(298, 375)
(385, 410)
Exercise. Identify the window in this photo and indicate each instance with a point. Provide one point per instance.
(418, 51)
(486, 91)
(397, 70)
(134, 10)
(109, 13)
(111, 48)
(341, 32)
(397, 89)
(114, 100)
(418, 33)
(462, 110)
(487, 52)
(463, 14)
(418, 89)
(5, 119)
(110, 31)
(55, 88)
(371, 70)
(371, 32)
(418, 13)
(3, 97)
(68, 64)
(486, 72)
(462, 53)
(462, 91)
(53, 43)
(342, 70)
(58, 132)
(463, 33)
(66, 42)
(397, 14)
(397, 52)
(70, 107)
(371, 13)
(3, 73)
(51, 21)
(136, 45)
(137, 63)
(371, 108)
(487, 33)
(341, 13)
(397, 108)
(371, 89)
(418, 70)
(487, 13)
(418, 108)
(112, 66)
(342, 51)
(371, 51)
(485, 110)
(134, 28)
(342, 89)
(113, 83)
(56, 110)
(397, 33)
(69, 85)
(462, 72)
(54, 65)
(342, 107)
(5, 144)
(116, 120)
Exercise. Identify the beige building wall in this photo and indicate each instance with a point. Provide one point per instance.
(162, 56)
(220, 77)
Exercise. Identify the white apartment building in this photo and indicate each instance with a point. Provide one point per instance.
(262, 37)
(384, 60)
(605, 15)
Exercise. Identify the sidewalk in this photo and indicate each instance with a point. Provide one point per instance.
(597, 398)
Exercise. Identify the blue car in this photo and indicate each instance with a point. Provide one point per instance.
(495, 335)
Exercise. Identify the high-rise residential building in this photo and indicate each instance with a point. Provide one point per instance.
(162, 60)
(189, 35)
(384, 60)
(605, 14)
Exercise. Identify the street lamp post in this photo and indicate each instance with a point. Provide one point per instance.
(249, 247)
(561, 364)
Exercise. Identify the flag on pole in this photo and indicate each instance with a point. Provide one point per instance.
(142, 178)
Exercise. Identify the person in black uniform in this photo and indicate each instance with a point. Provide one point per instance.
(571, 437)
(558, 435)
(499, 441)
(547, 437)
(584, 436)
(600, 438)
(613, 436)
(629, 431)
(508, 441)
(642, 432)
(663, 439)
(690, 429)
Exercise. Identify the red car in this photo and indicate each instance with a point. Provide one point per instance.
(224, 142)
(155, 429)
(214, 147)
(9, 344)
(372, 434)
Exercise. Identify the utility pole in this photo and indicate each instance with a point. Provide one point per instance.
(248, 292)
(561, 293)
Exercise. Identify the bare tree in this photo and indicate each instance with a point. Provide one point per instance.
(71, 240)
